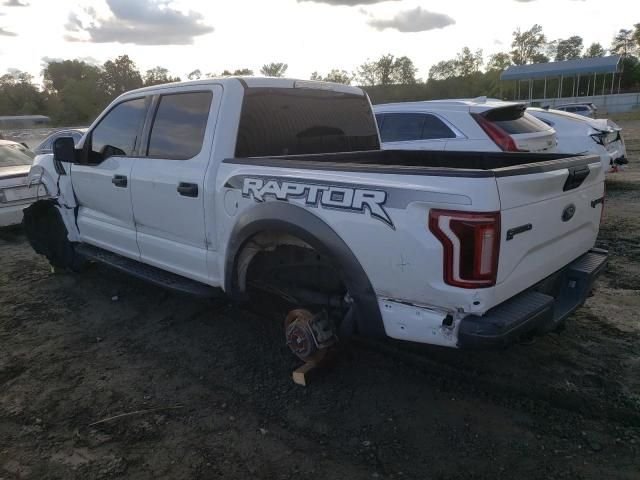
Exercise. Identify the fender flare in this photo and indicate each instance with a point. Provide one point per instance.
(299, 222)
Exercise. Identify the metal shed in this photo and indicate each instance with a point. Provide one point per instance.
(574, 69)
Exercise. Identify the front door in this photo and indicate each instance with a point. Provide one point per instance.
(102, 184)
(168, 181)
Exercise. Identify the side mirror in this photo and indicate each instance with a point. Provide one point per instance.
(64, 150)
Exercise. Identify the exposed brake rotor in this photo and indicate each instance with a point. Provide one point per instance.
(308, 336)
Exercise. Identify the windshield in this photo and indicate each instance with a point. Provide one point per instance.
(14, 155)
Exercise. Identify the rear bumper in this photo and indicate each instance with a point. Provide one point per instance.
(536, 310)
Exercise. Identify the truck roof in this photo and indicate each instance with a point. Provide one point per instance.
(256, 82)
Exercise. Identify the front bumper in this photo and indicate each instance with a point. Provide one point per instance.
(11, 214)
(536, 310)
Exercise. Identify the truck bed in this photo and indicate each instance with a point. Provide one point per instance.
(427, 162)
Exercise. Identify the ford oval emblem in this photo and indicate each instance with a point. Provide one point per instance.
(568, 212)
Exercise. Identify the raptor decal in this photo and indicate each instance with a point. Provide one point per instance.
(347, 198)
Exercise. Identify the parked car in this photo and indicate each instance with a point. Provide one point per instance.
(480, 125)
(46, 146)
(278, 184)
(582, 135)
(583, 109)
(15, 193)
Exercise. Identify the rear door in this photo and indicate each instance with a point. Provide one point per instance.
(549, 217)
(168, 180)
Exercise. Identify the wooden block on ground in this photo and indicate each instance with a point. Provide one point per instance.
(302, 375)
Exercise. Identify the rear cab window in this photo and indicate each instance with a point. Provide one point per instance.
(297, 121)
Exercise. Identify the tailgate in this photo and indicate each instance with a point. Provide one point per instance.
(550, 215)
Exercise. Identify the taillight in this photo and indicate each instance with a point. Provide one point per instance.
(471, 243)
(496, 133)
(599, 137)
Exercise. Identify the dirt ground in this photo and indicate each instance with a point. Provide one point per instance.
(205, 391)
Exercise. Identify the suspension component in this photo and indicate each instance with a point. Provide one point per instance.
(308, 336)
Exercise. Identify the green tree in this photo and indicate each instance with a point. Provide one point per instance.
(624, 43)
(195, 75)
(73, 91)
(499, 61)
(274, 69)
(443, 70)
(569, 48)
(339, 76)
(367, 73)
(404, 71)
(387, 70)
(468, 63)
(335, 76)
(528, 46)
(158, 76)
(236, 73)
(19, 96)
(595, 50)
(119, 76)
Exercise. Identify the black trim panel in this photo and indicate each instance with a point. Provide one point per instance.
(357, 167)
(318, 162)
(546, 166)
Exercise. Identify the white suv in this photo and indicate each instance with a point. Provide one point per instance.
(479, 125)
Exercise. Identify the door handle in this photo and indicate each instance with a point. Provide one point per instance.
(188, 189)
(119, 180)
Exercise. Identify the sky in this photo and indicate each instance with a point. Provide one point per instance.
(308, 35)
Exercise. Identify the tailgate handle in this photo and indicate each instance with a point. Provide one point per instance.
(575, 178)
(512, 232)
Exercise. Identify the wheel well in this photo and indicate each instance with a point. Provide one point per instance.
(286, 265)
(268, 225)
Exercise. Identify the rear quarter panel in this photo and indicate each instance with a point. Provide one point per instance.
(402, 259)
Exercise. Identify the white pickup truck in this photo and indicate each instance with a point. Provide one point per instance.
(276, 184)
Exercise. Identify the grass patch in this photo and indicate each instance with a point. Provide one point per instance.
(621, 186)
(634, 115)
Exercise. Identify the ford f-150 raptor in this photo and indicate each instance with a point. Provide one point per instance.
(224, 185)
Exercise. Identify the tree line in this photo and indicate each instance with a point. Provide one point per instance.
(74, 92)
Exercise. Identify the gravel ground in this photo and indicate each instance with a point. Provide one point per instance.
(204, 388)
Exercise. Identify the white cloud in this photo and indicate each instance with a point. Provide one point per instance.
(143, 22)
(414, 20)
(349, 3)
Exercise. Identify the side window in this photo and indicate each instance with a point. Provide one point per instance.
(117, 133)
(179, 125)
(379, 120)
(435, 128)
(400, 127)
